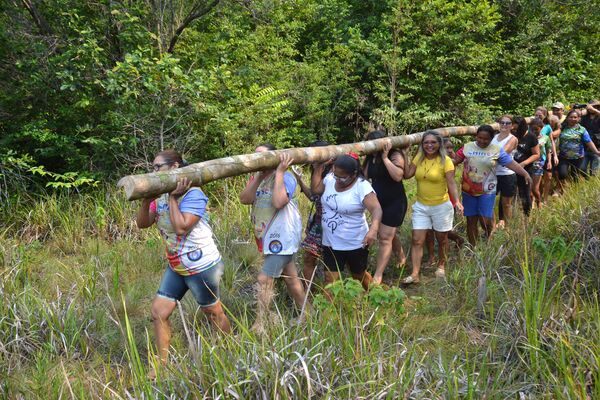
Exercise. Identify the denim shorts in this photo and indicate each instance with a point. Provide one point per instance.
(275, 263)
(482, 205)
(537, 168)
(204, 285)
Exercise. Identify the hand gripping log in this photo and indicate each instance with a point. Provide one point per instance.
(156, 183)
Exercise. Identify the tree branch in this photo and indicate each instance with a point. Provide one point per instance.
(38, 18)
(194, 14)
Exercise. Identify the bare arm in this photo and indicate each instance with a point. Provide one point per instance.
(304, 188)
(393, 164)
(592, 147)
(515, 166)
(145, 218)
(555, 125)
(280, 196)
(511, 145)
(316, 179)
(592, 110)
(372, 204)
(554, 154)
(182, 223)
(535, 155)
(248, 195)
(410, 170)
(453, 191)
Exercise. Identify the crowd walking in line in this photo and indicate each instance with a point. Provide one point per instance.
(531, 159)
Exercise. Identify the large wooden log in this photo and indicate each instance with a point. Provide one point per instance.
(154, 184)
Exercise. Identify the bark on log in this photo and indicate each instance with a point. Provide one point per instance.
(153, 184)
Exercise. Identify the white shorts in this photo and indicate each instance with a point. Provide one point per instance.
(440, 217)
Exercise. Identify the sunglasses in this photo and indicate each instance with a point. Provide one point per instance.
(157, 167)
(505, 123)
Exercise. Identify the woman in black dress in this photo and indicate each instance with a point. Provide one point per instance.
(386, 170)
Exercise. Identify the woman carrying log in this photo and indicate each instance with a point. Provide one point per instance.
(194, 260)
(434, 172)
(479, 179)
(346, 195)
(277, 229)
(386, 170)
(313, 241)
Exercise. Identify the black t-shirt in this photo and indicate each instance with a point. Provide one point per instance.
(592, 125)
(523, 150)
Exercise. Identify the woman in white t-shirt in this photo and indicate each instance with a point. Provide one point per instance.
(346, 234)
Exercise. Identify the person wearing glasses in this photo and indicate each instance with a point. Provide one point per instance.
(194, 262)
(277, 230)
(479, 179)
(345, 195)
(507, 180)
(434, 172)
(386, 170)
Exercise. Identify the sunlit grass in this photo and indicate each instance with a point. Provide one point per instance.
(77, 279)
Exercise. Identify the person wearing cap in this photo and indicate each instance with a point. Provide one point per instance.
(591, 122)
(558, 109)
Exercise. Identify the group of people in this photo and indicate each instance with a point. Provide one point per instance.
(519, 157)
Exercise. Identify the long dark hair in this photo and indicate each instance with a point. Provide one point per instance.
(522, 127)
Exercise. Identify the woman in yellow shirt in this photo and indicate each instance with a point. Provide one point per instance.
(434, 172)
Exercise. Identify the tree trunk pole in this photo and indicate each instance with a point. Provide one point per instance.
(154, 184)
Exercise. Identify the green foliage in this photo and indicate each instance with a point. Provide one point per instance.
(89, 87)
(68, 180)
(348, 294)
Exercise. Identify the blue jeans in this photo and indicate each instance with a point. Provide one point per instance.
(591, 162)
(204, 285)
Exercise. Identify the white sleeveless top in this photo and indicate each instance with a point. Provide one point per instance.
(500, 170)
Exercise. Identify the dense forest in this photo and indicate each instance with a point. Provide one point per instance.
(94, 89)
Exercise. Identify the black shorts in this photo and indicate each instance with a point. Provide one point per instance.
(507, 185)
(335, 260)
(394, 212)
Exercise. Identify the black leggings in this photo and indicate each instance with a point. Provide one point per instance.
(524, 192)
(567, 167)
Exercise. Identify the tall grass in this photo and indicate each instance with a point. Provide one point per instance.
(77, 279)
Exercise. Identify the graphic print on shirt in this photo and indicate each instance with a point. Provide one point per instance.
(194, 251)
(336, 219)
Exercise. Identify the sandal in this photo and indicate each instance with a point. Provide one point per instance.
(409, 279)
(440, 273)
